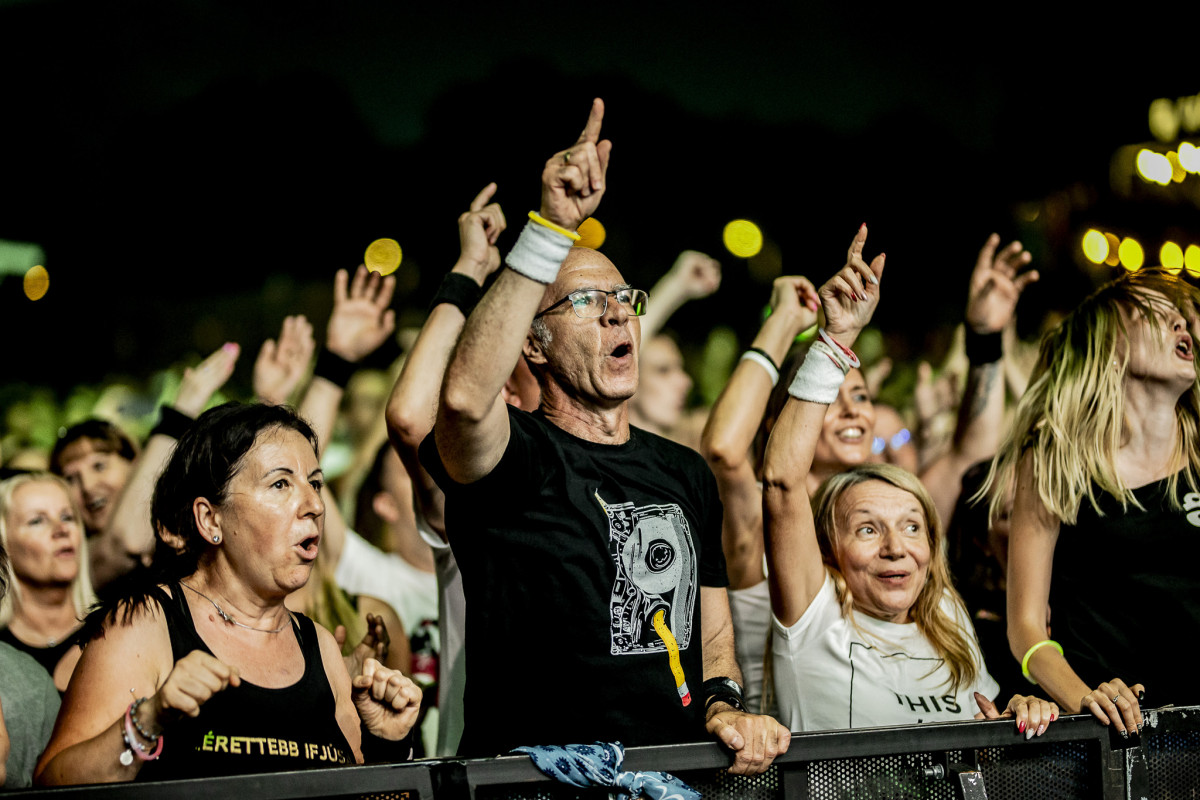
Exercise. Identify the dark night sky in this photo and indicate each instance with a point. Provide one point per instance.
(196, 170)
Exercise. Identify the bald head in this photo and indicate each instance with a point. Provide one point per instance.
(579, 260)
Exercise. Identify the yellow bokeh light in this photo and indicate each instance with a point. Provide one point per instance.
(1113, 244)
(37, 282)
(1154, 167)
(1189, 156)
(1131, 254)
(383, 256)
(1178, 173)
(1191, 260)
(591, 233)
(743, 238)
(1171, 256)
(1095, 246)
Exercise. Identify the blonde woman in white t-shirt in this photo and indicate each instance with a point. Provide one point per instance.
(868, 629)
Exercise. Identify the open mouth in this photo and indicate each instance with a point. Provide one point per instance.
(622, 350)
(66, 552)
(1184, 347)
(852, 434)
(97, 504)
(892, 577)
(309, 547)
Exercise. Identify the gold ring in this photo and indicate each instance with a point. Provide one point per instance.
(567, 157)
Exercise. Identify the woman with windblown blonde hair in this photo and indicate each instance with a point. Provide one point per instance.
(51, 589)
(867, 629)
(1103, 459)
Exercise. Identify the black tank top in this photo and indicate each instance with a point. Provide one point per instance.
(1125, 592)
(249, 728)
(48, 657)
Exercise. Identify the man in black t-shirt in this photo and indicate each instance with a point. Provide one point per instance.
(590, 551)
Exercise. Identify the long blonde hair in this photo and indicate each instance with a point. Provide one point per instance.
(943, 629)
(1072, 417)
(82, 596)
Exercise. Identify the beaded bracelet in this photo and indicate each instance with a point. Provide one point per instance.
(1029, 654)
(138, 748)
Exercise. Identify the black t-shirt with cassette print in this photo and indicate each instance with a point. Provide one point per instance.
(1125, 592)
(582, 565)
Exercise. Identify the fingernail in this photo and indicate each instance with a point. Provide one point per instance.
(1029, 734)
(1141, 696)
(1021, 726)
(1053, 717)
(229, 347)
(1124, 734)
(1041, 729)
(874, 280)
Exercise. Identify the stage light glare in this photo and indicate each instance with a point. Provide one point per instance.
(1189, 156)
(37, 282)
(743, 238)
(1171, 257)
(1113, 245)
(591, 233)
(1095, 246)
(1131, 254)
(383, 256)
(1153, 167)
(1191, 260)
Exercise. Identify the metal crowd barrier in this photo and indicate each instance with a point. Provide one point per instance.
(1077, 757)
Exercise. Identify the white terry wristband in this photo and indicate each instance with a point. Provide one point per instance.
(818, 379)
(538, 253)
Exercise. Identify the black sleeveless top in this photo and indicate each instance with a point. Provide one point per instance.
(1125, 593)
(48, 657)
(248, 728)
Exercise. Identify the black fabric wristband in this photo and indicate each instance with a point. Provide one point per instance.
(334, 368)
(723, 690)
(983, 348)
(764, 354)
(172, 422)
(458, 290)
(377, 750)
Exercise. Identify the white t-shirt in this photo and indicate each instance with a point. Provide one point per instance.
(365, 569)
(831, 676)
(750, 610)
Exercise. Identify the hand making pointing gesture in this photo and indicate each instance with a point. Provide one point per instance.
(573, 179)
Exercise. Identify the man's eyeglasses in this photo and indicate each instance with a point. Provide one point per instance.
(592, 303)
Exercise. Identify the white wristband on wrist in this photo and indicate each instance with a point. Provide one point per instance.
(818, 379)
(764, 362)
(538, 253)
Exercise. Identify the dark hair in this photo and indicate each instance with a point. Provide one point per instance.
(104, 436)
(204, 461)
(3, 572)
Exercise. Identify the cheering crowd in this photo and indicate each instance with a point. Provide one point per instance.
(547, 548)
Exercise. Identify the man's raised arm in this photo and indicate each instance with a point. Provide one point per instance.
(472, 424)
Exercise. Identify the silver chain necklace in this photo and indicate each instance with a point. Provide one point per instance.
(228, 618)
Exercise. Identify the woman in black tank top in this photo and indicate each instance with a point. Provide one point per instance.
(1104, 460)
(203, 670)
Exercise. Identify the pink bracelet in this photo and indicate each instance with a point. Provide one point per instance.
(131, 737)
(851, 359)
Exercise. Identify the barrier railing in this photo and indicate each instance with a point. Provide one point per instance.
(1076, 757)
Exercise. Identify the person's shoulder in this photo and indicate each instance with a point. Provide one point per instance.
(19, 667)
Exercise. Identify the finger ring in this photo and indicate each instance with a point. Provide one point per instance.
(567, 157)
(1116, 697)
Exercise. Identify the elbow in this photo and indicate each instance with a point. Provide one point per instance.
(462, 403)
(407, 427)
(721, 456)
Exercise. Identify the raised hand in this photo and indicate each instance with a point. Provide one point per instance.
(376, 644)
(697, 275)
(361, 320)
(996, 286)
(573, 179)
(193, 681)
(203, 380)
(280, 365)
(795, 297)
(388, 703)
(478, 230)
(850, 296)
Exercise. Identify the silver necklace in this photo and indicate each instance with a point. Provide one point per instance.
(228, 618)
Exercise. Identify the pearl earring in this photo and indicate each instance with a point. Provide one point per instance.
(217, 539)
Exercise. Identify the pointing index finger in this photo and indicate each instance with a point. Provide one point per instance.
(591, 131)
(483, 197)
